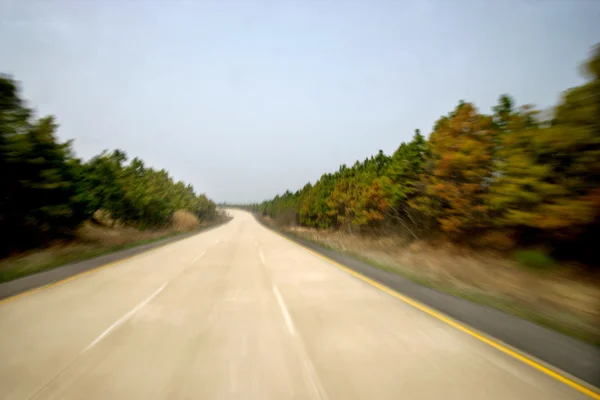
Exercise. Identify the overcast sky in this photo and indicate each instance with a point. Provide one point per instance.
(244, 99)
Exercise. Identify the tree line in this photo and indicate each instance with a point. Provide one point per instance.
(47, 191)
(513, 177)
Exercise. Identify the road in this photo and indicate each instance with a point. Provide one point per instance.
(239, 312)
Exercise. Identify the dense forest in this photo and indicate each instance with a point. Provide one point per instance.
(47, 192)
(513, 177)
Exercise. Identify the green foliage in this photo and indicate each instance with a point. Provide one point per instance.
(47, 191)
(535, 259)
(477, 175)
(461, 166)
(41, 198)
(138, 195)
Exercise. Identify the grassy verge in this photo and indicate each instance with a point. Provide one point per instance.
(506, 305)
(82, 249)
(562, 320)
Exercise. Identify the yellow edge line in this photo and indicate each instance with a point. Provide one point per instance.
(441, 317)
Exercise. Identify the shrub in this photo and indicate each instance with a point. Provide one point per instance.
(537, 259)
(184, 221)
(497, 240)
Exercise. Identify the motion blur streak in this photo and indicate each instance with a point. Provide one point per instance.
(217, 331)
(523, 358)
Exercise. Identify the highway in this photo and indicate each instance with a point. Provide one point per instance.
(239, 312)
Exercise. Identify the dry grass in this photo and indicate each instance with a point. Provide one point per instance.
(562, 298)
(91, 240)
(100, 235)
(184, 221)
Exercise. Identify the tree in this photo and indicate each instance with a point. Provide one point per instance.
(549, 176)
(461, 148)
(40, 198)
(513, 172)
(47, 192)
(400, 183)
(101, 180)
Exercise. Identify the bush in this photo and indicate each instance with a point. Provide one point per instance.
(497, 240)
(287, 217)
(537, 259)
(184, 221)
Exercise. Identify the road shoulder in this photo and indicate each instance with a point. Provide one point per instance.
(20, 286)
(576, 358)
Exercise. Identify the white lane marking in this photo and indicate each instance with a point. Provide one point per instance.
(315, 383)
(199, 256)
(284, 311)
(125, 317)
(309, 368)
(262, 256)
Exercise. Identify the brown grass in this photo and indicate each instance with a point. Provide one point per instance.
(101, 235)
(184, 221)
(562, 298)
(93, 238)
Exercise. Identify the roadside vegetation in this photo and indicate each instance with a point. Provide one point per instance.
(564, 298)
(503, 206)
(55, 207)
(94, 238)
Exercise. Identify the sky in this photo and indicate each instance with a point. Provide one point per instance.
(245, 99)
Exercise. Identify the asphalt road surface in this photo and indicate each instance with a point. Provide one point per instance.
(239, 312)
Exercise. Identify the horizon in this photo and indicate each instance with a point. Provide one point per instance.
(246, 104)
